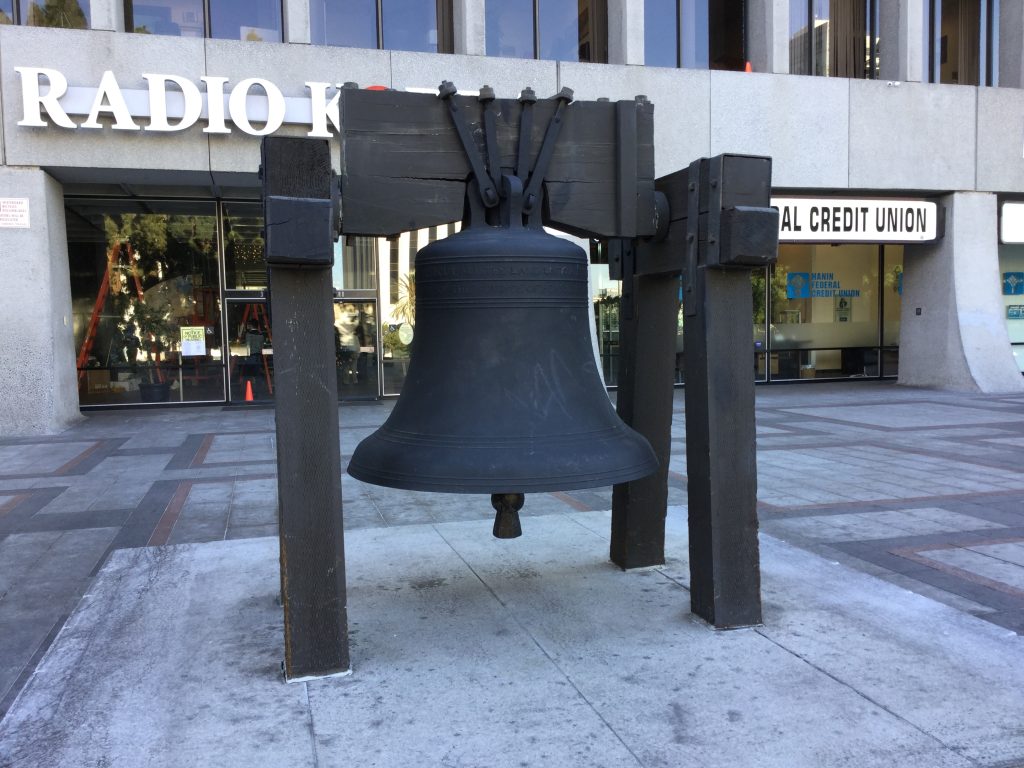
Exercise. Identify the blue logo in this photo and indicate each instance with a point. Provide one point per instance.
(798, 285)
(1013, 283)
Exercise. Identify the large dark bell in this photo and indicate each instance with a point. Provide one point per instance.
(502, 394)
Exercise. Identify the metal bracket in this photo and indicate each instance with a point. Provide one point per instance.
(692, 238)
(490, 118)
(527, 98)
(547, 148)
(488, 192)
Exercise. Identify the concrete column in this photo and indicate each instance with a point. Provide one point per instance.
(38, 381)
(1011, 43)
(768, 35)
(952, 331)
(296, 21)
(901, 36)
(107, 14)
(470, 27)
(626, 32)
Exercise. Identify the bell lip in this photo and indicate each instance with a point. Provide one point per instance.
(483, 485)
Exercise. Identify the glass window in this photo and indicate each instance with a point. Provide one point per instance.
(355, 338)
(228, 19)
(660, 33)
(70, 14)
(245, 267)
(355, 264)
(569, 30)
(964, 41)
(359, 29)
(145, 301)
(182, 18)
(834, 38)
(401, 25)
(695, 34)
(1011, 272)
(246, 20)
(510, 29)
(825, 311)
(250, 351)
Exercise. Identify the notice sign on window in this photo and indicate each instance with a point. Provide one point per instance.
(193, 341)
(853, 220)
(14, 212)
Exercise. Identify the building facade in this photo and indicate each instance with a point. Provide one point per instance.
(130, 223)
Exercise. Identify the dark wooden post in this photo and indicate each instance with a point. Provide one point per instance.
(647, 317)
(301, 229)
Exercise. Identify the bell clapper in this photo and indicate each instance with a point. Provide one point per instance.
(506, 519)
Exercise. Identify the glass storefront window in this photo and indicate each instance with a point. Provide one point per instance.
(245, 267)
(825, 311)
(69, 14)
(563, 30)
(401, 25)
(1011, 273)
(834, 38)
(964, 41)
(250, 351)
(228, 19)
(355, 336)
(145, 301)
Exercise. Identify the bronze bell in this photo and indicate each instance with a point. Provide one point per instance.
(502, 394)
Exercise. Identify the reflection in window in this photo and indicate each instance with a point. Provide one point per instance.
(401, 25)
(228, 19)
(1011, 265)
(562, 30)
(145, 301)
(964, 41)
(245, 267)
(695, 34)
(835, 38)
(825, 311)
(69, 14)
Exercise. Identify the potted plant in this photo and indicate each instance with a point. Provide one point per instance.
(156, 330)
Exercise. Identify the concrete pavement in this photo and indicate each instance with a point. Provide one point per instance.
(893, 565)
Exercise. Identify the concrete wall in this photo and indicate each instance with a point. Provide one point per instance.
(959, 340)
(824, 133)
(37, 374)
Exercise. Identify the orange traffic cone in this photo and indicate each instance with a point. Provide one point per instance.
(248, 390)
(748, 68)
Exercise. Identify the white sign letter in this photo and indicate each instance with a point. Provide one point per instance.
(191, 103)
(110, 91)
(34, 102)
(215, 105)
(240, 106)
(323, 110)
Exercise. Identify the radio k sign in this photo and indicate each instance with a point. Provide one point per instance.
(173, 103)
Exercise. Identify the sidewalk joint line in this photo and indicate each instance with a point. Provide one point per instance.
(866, 697)
(542, 649)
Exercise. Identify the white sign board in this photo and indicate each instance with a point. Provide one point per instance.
(1011, 223)
(14, 212)
(855, 220)
(193, 341)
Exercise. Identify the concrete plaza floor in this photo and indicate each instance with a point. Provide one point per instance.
(892, 540)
